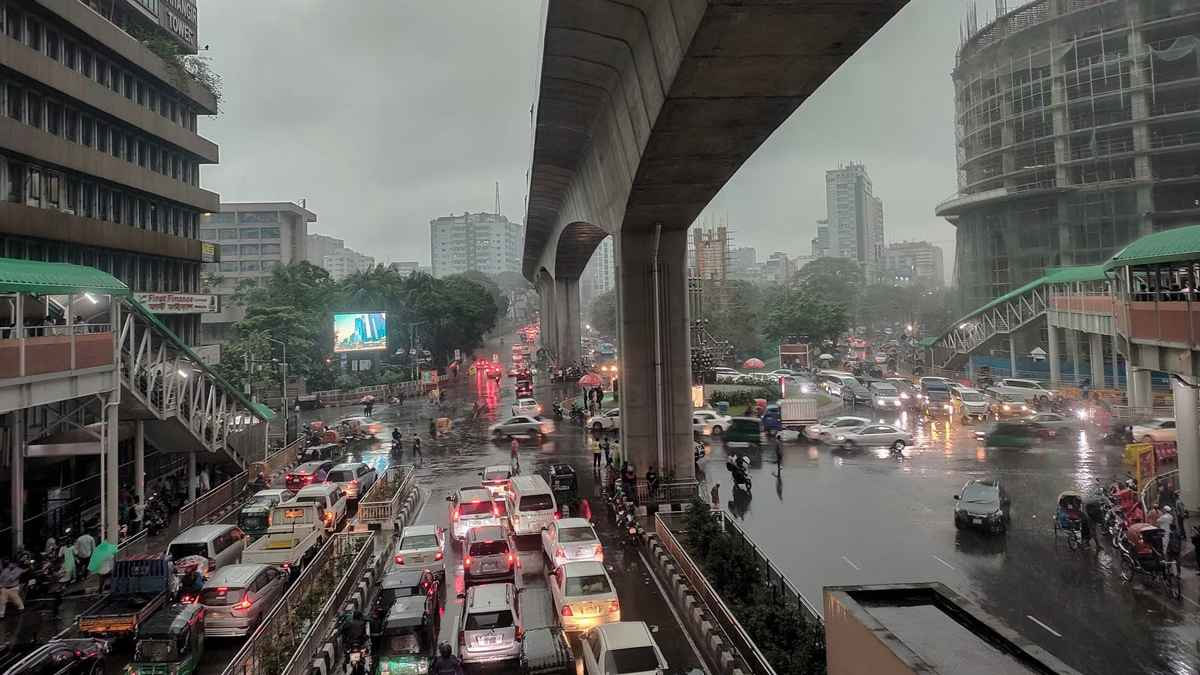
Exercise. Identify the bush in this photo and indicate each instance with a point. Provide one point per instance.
(744, 397)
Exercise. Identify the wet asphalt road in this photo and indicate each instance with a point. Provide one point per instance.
(826, 518)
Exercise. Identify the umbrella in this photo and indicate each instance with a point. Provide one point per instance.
(367, 399)
(753, 364)
(590, 380)
(825, 357)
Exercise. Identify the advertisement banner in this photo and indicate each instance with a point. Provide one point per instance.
(178, 303)
(361, 331)
(209, 252)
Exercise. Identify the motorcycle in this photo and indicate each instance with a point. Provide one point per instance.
(155, 521)
(698, 452)
(632, 532)
(577, 416)
(397, 447)
(740, 477)
(558, 411)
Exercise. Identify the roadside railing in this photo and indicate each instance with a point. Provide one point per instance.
(291, 633)
(376, 508)
(217, 498)
(734, 632)
(667, 493)
(782, 587)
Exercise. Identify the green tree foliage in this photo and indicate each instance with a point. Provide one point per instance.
(491, 286)
(737, 318)
(838, 279)
(796, 312)
(604, 313)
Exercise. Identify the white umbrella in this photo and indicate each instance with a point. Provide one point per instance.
(826, 357)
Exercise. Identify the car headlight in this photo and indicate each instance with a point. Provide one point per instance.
(840, 438)
(904, 396)
(948, 406)
(878, 401)
(1007, 407)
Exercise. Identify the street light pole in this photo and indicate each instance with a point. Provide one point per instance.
(283, 368)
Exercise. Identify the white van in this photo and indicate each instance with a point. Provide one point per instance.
(331, 500)
(221, 544)
(531, 504)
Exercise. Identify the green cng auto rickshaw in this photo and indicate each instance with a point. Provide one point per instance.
(407, 638)
(170, 642)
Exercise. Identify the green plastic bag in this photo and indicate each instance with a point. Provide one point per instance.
(101, 555)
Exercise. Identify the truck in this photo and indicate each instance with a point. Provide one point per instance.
(140, 585)
(790, 413)
(795, 356)
(292, 539)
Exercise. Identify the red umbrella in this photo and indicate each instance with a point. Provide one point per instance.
(753, 364)
(590, 380)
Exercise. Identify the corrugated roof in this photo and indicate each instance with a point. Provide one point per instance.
(1180, 243)
(264, 412)
(43, 278)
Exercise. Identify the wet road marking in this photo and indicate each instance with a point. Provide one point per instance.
(1048, 628)
(671, 606)
(851, 563)
(943, 562)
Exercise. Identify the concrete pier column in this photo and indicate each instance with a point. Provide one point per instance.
(1096, 359)
(549, 315)
(656, 422)
(1012, 356)
(112, 474)
(191, 476)
(17, 473)
(139, 461)
(1116, 364)
(1052, 354)
(1187, 440)
(566, 310)
(1139, 386)
(1073, 350)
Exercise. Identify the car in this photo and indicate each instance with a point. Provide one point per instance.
(621, 648)
(571, 539)
(527, 406)
(523, 388)
(236, 598)
(329, 499)
(471, 507)
(1059, 423)
(726, 374)
(872, 436)
(884, 396)
(609, 420)
(834, 382)
(270, 497)
(353, 478)
(1009, 406)
(796, 384)
(1030, 390)
(490, 626)
(255, 515)
(984, 504)
(783, 372)
(308, 473)
(1013, 434)
(1159, 430)
(522, 425)
(414, 588)
(76, 656)
(969, 403)
(830, 426)
(495, 478)
(935, 400)
(709, 422)
(421, 547)
(489, 555)
(910, 396)
(359, 425)
(583, 595)
(855, 392)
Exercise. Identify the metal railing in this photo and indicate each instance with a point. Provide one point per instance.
(217, 498)
(376, 508)
(667, 493)
(782, 587)
(289, 635)
(755, 660)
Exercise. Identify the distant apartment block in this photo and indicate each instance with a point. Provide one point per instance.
(913, 262)
(854, 227)
(331, 255)
(482, 242)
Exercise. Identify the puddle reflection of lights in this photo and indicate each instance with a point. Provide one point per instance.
(813, 453)
(981, 454)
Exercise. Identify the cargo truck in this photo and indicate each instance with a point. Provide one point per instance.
(141, 584)
(293, 538)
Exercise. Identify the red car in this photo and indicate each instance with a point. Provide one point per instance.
(308, 473)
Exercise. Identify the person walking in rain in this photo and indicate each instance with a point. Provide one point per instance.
(595, 443)
(10, 586)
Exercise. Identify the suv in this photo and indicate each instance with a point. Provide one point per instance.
(488, 555)
(490, 628)
(471, 507)
(982, 504)
(969, 403)
(308, 473)
(1030, 390)
(353, 478)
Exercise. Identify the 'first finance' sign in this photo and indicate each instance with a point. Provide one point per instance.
(178, 303)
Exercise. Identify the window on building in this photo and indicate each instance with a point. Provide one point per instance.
(155, 216)
(87, 132)
(270, 233)
(154, 100)
(139, 213)
(141, 153)
(33, 34)
(270, 249)
(71, 195)
(119, 206)
(85, 62)
(53, 186)
(153, 158)
(70, 55)
(87, 200)
(16, 102)
(53, 44)
(54, 117)
(34, 106)
(248, 249)
(12, 22)
(248, 233)
(207, 234)
(101, 136)
(71, 125)
(229, 234)
(139, 89)
(11, 180)
(127, 78)
(105, 206)
(229, 267)
(251, 266)
(33, 187)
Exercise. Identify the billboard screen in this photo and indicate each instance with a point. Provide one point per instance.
(359, 332)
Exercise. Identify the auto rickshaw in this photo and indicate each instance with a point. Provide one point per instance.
(1020, 435)
(170, 641)
(563, 480)
(406, 640)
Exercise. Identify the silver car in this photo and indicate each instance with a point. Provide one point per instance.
(471, 507)
(237, 597)
(521, 425)
(490, 625)
(873, 435)
(571, 539)
(422, 547)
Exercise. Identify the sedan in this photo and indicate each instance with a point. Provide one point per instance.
(527, 406)
(1059, 423)
(584, 596)
(983, 504)
(855, 392)
(521, 425)
(873, 435)
(1155, 431)
(623, 648)
(495, 479)
(62, 657)
(827, 428)
(608, 421)
(421, 547)
(308, 473)
(571, 539)
(709, 422)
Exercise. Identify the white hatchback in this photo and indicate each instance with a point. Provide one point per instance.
(621, 648)
(571, 539)
(609, 421)
(584, 596)
(422, 547)
(527, 406)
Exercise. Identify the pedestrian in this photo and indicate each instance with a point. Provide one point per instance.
(105, 571)
(10, 586)
(652, 480)
(628, 479)
(416, 443)
(205, 481)
(716, 496)
(512, 452)
(85, 545)
(595, 443)
(614, 390)
(432, 428)
(607, 451)
(445, 663)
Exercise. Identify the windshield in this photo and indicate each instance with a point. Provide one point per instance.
(634, 660)
(494, 547)
(404, 644)
(220, 597)
(415, 541)
(885, 390)
(979, 494)
(477, 508)
(489, 620)
(181, 551)
(537, 503)
(154, 651)
(972, 397)
(589, 584)
(571, 535)
(496, 475)
(253, 521)
(341, 476)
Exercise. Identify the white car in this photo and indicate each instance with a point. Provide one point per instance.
(826, 428)
(527, 406)
(884, 396)
(421, 547)
(726, 374)
(1158, 430)
(621, 648)
(584, 596)
(521, 425)
(608, 421)
(354, 478)
(495, 479)
(571, 539)
(873, 435)
(709, 422)
(1030, 390)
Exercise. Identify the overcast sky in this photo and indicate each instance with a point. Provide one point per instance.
(386, 114)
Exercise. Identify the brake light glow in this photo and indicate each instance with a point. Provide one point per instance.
(614, 606)
(511, 560)
(454, 513)
(599, 552)
(467, 561)
(245, 604)
(399, 560)
(438, 555)
(566, 611)
(560, 553)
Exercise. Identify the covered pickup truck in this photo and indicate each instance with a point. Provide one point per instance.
(790, 413)
(292, 539)
(140, 584)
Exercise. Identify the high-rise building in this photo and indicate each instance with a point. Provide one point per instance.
(331, 255)
(711, 253)
(778, 268)
(99, 154)
(854, 219)
(1075, 131)
(255, 237)
(820, 243)
(600, 275)
(913, 262)
(483, 242)
(743, 257)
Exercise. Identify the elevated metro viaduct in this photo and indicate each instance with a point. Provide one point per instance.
(645, 109)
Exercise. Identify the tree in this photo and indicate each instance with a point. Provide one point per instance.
(491, 286)
(604, 313)
(839, 279)
(736, 320)
(797, 313)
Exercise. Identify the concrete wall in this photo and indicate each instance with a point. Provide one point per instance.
(29, 221)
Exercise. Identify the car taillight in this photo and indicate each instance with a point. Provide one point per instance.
(438, 555)
(329, 516)
(244, 604)
(454, 514)
(545, 428)
(495, 510)
(511, 560)
(599, 552)
(566, 611)
(560, 553)
(399, 560)
(557, 515)
(614, 606)
(467, 561)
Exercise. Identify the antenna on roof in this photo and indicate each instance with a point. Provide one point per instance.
(497, 199)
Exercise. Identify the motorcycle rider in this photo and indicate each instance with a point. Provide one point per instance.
(446, 663)
(397, 439)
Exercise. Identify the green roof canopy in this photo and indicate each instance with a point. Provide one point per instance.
(1180, 243)
(264, 412)
(43, 278)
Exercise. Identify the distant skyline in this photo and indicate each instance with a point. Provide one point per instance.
(385, 127)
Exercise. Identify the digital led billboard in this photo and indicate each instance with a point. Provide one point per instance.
(359, 332)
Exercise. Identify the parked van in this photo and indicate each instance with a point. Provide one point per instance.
(221, 544)
(834, 382)
(531, 504)
(330, 498)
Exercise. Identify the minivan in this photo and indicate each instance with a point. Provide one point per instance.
(471, 507)
(490, 628)
(237, 597)
(488, 555)
(744, 431)
(330, 498)
(221, 544)
(531, 504)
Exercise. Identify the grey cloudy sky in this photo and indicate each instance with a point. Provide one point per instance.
(385, 114)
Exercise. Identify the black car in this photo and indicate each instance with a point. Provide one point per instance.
(408, 587)
(61, 657)
(855, 392)
(982, 504)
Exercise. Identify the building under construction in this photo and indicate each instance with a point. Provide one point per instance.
(1078, 130)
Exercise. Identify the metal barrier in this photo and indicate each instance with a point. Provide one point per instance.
(782, 587)
(667, 493)
(287, 638)
(285, 456)
(375, 509)
(217, 498)
(733, 629)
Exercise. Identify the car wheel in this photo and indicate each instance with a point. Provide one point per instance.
(597, 427)
(716, 431)
(898, 445)
(958, 524)
(849, 445)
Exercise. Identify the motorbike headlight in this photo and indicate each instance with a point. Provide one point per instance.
(841, 438)
(948, 407)
(903, 395)
(878, 401)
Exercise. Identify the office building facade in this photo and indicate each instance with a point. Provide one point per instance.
(913, 262)
(854, 218)
(331, 255)
(482, 242)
